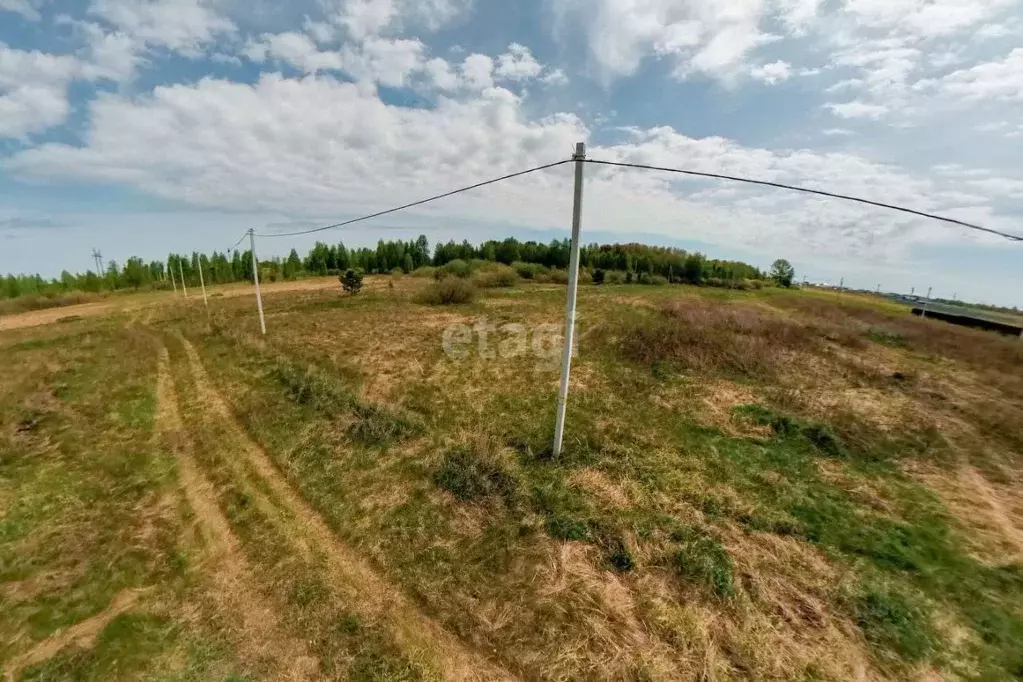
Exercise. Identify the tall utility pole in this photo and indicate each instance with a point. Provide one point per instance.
(181, 273)
(98, 257)
(923, 312)
(841, 284)
(170, 271)
(573, 283)
(202, 283)
(255, 280)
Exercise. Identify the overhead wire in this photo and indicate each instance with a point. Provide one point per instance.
(244, 235)
(833, 195)
(418, 203)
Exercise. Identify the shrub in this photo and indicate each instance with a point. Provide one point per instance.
(615, 277)
(397, 272)
(351, 281)
(630, 277)
(654, 280)
(473, 473)
(598, 276)
(457, 268)
(500, 276)
(448, 291)
(425, 271)
(558, 276)
(528, 270)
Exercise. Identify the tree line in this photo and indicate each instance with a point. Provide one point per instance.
(674, 264)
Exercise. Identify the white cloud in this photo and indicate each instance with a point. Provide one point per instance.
(997, 80)
(33, 90)
(387, 61)
(111, 55)
(772, 73)
(31, 109)
(184, 26)
(295, 49)
(477, 71)
(313, 147)
(836, 132)
(709, 37)
(517, 64)
(554, 77)
(27, 8)
(857, 109)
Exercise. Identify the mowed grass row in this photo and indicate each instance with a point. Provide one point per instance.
(90, 518)
(709, 515)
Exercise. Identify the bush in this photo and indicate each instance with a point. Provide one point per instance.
(558, 276)
(448, 291)
(653, 280)
(397, 272)
(500, 276)
(351, 281)
(529, 270)
(598, 276)
(615, 277)
(425, 271)
(456, 268)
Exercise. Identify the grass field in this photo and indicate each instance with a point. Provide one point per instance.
(767, 485)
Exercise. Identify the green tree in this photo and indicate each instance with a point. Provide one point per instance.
(351, 281)
(782, 272)
(408, 266)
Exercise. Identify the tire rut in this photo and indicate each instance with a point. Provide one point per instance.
(421, 637)
(82, 634)
(260, 636)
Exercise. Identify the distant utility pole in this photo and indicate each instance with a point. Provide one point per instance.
(181, 273)
(170, 271)
(573, 282)
(841, 284)
(879, 289)
(923, 311)
(98, 257)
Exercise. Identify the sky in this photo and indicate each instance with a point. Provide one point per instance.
(141, 127)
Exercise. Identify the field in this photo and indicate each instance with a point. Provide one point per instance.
(767, 485)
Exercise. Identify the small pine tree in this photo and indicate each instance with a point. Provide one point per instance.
(351, 281)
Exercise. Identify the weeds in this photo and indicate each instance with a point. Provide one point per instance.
(474, 474)
(892, 621)
(704, 561)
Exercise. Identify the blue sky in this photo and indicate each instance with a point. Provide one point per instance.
(144, 126)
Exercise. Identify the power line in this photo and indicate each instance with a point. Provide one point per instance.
(421, 202)
(244, 235)
(1011, 237)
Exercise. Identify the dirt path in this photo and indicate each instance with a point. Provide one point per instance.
(81, 635)
(260, 637)
(419, 636)
(996, 511)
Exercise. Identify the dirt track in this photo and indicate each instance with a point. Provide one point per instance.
(118, 302)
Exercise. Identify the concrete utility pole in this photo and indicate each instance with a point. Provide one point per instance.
(255, 280)
(841, 284)
(573, 283)
(202, 283)
(174, 284)
(923, 312)
(181, 273)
